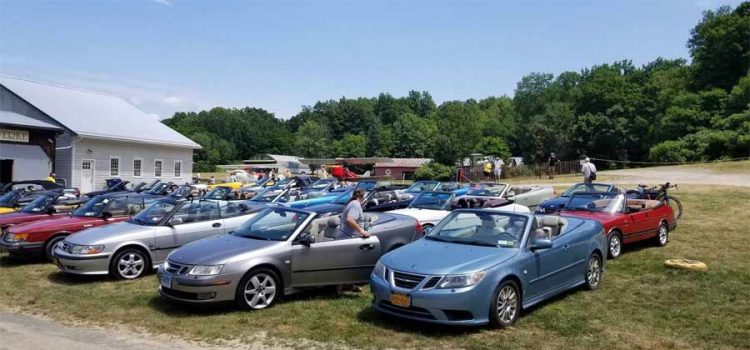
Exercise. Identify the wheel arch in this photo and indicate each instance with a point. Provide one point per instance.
(272, 267)
(133, 245)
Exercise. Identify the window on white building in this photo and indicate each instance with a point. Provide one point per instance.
(157, 168)
(178, 169)
(114, 166)
(137, 166)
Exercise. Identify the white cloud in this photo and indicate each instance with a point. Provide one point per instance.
(156, 116)
(173, 101)
(163, 2)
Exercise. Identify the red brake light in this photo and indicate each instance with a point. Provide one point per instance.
(418, 228)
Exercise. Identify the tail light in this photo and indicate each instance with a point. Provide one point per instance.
(77, 192)
(418, 228)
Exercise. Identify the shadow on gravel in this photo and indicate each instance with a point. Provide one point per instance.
(393, 323)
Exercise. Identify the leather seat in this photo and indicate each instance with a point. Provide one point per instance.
(331, 226)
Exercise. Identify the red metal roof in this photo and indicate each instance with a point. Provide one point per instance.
(403, 163)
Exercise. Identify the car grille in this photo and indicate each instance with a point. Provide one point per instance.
(176, 268)
(406, 280)
(179, 294)
(412, 311)
(431, 283)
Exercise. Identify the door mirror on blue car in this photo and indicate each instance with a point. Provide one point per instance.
(540, 244)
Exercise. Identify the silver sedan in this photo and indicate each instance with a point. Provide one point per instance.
(280, 251)
(130, 249)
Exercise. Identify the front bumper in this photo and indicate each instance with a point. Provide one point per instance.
(21, 247)
(81, 264)
(462, 306)
(197, 289)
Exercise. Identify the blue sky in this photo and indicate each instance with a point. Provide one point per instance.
(177, 55)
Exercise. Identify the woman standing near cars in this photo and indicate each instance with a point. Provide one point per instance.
(353, 218)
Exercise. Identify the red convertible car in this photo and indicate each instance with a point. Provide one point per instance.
(41, 236)
(46, 206)
(625, 220)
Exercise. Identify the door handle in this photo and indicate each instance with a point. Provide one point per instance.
(566, 247)
(216, 224)
(367, 247)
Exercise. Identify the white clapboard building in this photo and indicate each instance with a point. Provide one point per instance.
(85, 138)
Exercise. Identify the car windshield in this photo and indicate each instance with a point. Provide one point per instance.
(272, 224)
(585, 188)
(485, 228)
(487, 191)
(267, 195)
(93, 208)
(431, 200)
(422, 186)
(600, 202)
(321, 184)
(38, 205)
(158, 188)
(154, 213)
(367, 185)
(218, 193)
(8, 199)
(182, 192)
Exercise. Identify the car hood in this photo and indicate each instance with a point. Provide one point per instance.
(419, 257)
(9, 218)
(220, 249)
(108, 233)
(56, 223)
(554, 203)
(422, 215)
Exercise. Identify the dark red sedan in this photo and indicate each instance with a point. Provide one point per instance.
(41, 236)
(45, 206)
(625, 220)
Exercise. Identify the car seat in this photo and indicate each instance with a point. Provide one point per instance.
(332, 224)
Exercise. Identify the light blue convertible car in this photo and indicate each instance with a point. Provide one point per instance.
(483, 266)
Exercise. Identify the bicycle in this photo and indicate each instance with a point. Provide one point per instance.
(660, 193)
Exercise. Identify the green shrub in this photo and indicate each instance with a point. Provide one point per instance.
(671, 151)
(434, 171)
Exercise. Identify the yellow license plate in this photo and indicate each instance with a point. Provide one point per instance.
(400, 300)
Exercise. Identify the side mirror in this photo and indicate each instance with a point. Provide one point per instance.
(307, 240)
(51, 210)
(427, 230)
(175, 221)
(540, 244)
(106, 215)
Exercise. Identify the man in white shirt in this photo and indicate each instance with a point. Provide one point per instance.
(589, 171)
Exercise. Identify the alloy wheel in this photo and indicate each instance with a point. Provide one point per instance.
(615, 246)
(594, 272)
(131, 265)
(507, 304)
(260, 291)
(663, 232)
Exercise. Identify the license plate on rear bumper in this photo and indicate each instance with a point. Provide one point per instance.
(166, 281)
(400, 300)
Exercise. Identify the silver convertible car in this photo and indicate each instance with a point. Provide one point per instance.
(129, 249)
(481, 266)
(280, 251)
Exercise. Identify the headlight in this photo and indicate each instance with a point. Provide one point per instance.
(86, 249)
(205, 270)
(379, 270)
(460, 281)
(16, 237)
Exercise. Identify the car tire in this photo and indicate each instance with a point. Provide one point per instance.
(258, 289)
(614, 245)
(129, 264)
(662, 235)
(49, 247)
(505, 306)
(594, 269)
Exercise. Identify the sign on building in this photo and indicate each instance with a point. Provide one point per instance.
(14, 135)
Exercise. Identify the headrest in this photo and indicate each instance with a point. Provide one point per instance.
(551, 220)
(539, 233)
(334, 221)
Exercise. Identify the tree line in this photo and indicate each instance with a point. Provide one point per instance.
(667, 110)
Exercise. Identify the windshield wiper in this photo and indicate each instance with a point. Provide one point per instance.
(484, 244)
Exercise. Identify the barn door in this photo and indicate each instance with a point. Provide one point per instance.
(87, 176)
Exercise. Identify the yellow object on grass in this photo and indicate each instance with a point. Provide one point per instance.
(686, 264)
(233, 185)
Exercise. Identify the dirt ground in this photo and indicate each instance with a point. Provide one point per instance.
(679, 175)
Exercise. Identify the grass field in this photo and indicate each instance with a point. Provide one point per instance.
(641, 304)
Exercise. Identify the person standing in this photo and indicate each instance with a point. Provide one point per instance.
(498, 168)
(552, 163)
(487, 167)
(212, 180)
(353, 218)
(52, 177)
(589, 171)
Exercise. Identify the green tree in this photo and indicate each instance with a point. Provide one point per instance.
(493, 145)
(311, 140)
(413, 136)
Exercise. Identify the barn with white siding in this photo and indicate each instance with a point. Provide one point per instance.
(98, 137)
